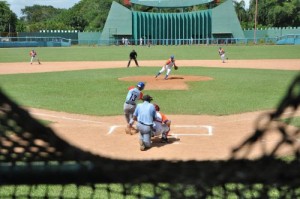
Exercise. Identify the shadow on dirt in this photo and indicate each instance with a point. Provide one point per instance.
(156, 141)
(170, 78)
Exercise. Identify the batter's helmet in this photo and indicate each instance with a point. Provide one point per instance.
(141, 85)
(156, 107)
(172, 56)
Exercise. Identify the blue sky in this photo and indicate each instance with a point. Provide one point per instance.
(17, 5)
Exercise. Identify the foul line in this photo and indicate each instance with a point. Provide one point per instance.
(67, 118)
(112, 128)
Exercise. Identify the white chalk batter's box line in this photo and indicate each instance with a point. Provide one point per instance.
(209, 130)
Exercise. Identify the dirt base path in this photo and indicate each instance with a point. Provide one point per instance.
(193, 137)
(280, 64)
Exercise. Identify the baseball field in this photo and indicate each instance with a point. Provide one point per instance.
(213, 105)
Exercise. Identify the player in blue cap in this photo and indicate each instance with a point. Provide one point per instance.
(134, 94)
(168, 67)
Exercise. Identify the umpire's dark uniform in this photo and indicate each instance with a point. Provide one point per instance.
(133, 55)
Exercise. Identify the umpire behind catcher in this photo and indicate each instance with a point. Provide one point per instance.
(144, 114)
(133, 56)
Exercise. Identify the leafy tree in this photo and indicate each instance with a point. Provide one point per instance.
(240, 10)
(39, 17)
(90, 15)
(21, 26)
(275, 13)
(38, 13)
(8, 19)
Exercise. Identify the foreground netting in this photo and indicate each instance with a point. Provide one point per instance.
(36, 163)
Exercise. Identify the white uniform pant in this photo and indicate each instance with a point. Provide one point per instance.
(128, 111)
(223, 57)
(32, 59)
(166, 67)
(160, 129)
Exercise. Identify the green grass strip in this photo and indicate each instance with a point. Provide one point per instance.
(119, 53)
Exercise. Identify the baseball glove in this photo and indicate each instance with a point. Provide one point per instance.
(134, 131)
(131, 130)
(176, 67)
(128, 130)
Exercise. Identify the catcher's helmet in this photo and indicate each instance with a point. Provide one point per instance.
(156, 107)
(172, 56)
(147, 98)
(141, 85)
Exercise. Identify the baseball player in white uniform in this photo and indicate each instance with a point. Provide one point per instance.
(222, 54)
(168, 66)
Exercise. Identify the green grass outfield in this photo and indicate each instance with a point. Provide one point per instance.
(118, 53)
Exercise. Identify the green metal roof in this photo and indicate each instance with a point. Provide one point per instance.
(224, 20)
(169, 3)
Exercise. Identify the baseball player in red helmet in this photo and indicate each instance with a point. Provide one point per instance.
(161, 125)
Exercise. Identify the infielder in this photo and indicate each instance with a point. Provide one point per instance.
(222, 54)
(168, 66)
(33, 56)
(161, 125)
(134, 94)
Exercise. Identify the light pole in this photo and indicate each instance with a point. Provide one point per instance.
(255, 21)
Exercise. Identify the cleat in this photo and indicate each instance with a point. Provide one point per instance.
(164, 140)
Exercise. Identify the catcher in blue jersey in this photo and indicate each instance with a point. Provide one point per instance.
(134, 94)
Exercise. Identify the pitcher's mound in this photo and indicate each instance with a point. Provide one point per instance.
(175, 82)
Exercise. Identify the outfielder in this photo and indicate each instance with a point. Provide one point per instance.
(168, 66)
(33, 56)
(161, 125)
(133, 95)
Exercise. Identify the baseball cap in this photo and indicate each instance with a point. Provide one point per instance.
(147, 98)
(172, 56)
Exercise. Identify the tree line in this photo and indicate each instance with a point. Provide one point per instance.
(270, 13)
(90, 15)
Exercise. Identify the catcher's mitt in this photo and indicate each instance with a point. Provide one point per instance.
(131, 130)
(176, 67)
(134, 131)
(128, 130)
